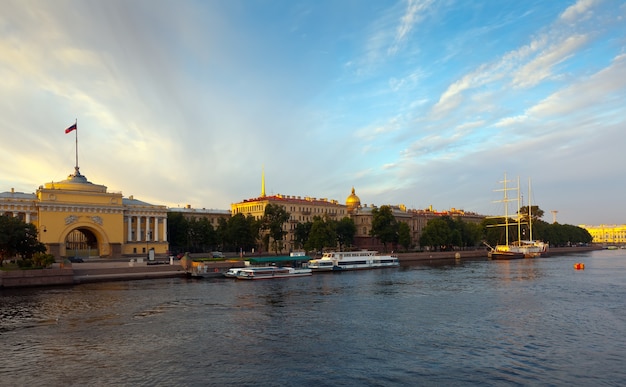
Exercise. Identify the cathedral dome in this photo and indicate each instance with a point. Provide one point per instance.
(353, 201)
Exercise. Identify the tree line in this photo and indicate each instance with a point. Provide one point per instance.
(245, 233)
(241, 233)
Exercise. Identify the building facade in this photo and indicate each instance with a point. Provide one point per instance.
(75, 217)
(607, 234)
(212, 215)
(304, 209)
(300, 209)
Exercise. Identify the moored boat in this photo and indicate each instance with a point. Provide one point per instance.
(521, 248)
(352, 260)
(232, 272)
(272, 272)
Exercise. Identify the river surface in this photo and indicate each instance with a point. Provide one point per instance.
(522, 322)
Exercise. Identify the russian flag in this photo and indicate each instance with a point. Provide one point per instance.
(73, 127)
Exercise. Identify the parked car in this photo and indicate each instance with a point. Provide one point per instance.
(217, 254)
(76, 260)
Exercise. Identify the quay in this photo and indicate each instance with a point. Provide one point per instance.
(101, 270)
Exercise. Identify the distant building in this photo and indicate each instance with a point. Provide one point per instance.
(304, 209)
(75, 217)
(301, 210)
(212, 215)
(607, 234)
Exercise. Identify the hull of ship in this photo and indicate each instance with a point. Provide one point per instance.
(252, 276)
(347, 267)
(505, 255)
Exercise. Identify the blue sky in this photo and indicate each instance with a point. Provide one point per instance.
(410, 102)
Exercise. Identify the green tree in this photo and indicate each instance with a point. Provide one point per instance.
(301, 234)
(242, 232)
(323, 234)
(384, 226)
(274, 219)
(436, 234)
(221, 234)
(201, 235)
(404, 235)
(470, 232)
(346, 230)
(18, 238)
(177, 230)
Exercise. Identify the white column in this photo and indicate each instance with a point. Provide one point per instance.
(165, 229)
(138, 233)
(129, 228)
(147, 228)
(28, 217)
(155, 233)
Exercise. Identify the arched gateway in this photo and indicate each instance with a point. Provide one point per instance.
(76, 218)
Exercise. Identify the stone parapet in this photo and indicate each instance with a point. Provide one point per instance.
(39, 277)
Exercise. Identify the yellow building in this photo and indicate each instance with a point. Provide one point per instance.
(300, 209)
(303, 209)
(607, 234)
(75, 217)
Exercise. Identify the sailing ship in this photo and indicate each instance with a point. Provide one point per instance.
(522, 248)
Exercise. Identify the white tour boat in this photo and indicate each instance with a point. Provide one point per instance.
(271, 272)
(352, 260)
(232, 272)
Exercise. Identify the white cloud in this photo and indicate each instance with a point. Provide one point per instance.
(607, 85)
(510, 121)
(581, 8)
(540, 67)
(413, 15)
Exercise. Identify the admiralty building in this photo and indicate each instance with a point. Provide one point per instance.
(75, 217)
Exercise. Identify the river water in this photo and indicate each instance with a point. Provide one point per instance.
(522, 322)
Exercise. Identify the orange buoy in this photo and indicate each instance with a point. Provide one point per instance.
(579, 266)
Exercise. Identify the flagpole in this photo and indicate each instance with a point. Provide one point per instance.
(76, 124)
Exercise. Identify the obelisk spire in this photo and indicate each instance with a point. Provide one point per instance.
(263, 182)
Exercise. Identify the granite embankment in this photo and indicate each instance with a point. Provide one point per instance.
(102, 270)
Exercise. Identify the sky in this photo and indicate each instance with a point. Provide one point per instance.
(419, 102)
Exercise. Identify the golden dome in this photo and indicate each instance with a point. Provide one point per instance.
(353, 201)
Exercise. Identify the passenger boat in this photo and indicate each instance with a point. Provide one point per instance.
(272, 272)
(352, 260)
(232, 272)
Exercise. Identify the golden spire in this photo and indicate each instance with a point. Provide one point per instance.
(263, 182)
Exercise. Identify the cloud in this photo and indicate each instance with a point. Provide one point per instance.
(605, 86)
(509, 121)
(581, 8)
(540, 67)
(412, 16)
(526, 66)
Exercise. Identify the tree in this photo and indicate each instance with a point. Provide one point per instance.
(301, 234)
(404, 235)
(323, 234)
(274, 218)
(242, 232)
(177, 230)
(346, 229)
(535, 211)
(384, 226)
(436, 234)
(470, 232)
(18, 238)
